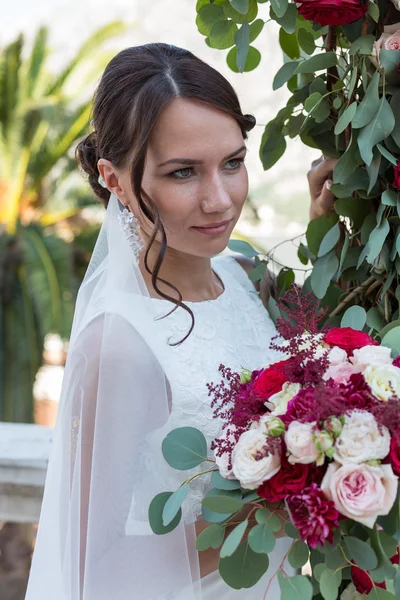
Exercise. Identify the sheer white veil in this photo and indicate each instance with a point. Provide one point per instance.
(94, 540)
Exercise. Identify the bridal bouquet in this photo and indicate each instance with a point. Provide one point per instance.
(311, 444)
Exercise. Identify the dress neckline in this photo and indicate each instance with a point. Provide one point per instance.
(221, 296)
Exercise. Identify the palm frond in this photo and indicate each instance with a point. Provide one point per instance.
(85, 51)
(10, 64)
(36, 61)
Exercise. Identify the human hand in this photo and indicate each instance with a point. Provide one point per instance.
(319, 182)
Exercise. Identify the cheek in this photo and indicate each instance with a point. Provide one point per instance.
(238, 188)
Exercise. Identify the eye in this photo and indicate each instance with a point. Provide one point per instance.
(237, 163)
(182, 173)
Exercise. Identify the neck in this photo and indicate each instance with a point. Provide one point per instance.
(192, 275)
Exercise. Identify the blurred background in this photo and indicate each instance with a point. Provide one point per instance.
(52, 53)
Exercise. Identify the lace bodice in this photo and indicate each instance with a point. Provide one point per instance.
(234, 329)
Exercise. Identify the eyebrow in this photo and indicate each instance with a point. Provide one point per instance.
(194, 161)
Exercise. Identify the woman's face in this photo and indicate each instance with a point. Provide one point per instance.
(195, 174)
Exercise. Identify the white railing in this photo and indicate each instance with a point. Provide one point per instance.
(24, 454)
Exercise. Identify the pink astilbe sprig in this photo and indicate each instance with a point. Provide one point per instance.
(305, 315)
(236, 404)
(313, 515)
(302, 337)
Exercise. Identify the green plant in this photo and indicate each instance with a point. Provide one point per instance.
(40, 122)
(344, 100)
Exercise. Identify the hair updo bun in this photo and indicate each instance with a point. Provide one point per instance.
(87, 156)
(249, 122)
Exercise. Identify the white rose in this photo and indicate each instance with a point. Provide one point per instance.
(389, 40)
(277, 403)
(361, 439)
(371, 355)
(350, 593)
(384, 381)
(337, 356)
(300, 443)
(247, 469)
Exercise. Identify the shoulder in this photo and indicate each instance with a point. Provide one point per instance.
(265, 287)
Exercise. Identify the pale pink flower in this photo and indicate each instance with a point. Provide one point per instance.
(361, 492)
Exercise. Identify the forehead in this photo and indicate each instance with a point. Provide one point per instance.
(191, 128)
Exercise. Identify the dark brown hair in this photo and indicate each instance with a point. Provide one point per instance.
(137, 84)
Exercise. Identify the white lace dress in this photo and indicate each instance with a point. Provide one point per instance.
(235, 330)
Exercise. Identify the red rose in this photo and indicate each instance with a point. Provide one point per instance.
(394, 454)
(362, 581)
(332, 12)
(348, 339)
(270, 381)
(396, 179)
(290, 479)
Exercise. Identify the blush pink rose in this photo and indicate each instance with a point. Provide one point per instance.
(361, 492)
(299, 440)
(340, 373)
(371, 355)
(389, 40)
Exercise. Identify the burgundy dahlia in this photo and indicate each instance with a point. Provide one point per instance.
(313, 515)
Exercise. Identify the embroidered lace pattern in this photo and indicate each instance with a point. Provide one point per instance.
(235, 330)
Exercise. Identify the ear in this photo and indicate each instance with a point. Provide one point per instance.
(112, 178)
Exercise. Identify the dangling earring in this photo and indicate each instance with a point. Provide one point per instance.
(130, 225)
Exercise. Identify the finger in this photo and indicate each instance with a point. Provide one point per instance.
(327, 199)
(316, 162)
(325, 168)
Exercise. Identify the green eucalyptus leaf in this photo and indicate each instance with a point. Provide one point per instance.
(388, 155)
(392, 340)
(354, 317)
(373, 168)
(207, 16)
(238, 16)
(273, 309)
(316, 230)
(373, 11)
(221, 483)
(233, 540)
(329, 240)
(377, 239)
(288, 21)
(318, 62)
(306, 41)
(380, 594)
(361, 553)
(329, 584)
(241, 6)
(289, 44)
(252, 60)
(255, 29)
(244, 568)
(284, 74)
(322, 273)
(261, 538)
(377, 130)
(346, 118)
(355, 209)
(348, 162)
(362, 45)
(222, 34)
(290, 530)
(211, 537)
(389, 198)
(390, 60)
(243, 248)
(298, 555)
(156, 509)
(242, 42)
(294, 588)
(184, 448)
(343, 254)
(271, 150)
(279, 7)
(395, 106)
(222, 504)
(369, 105)
(375, 318)
(174, 503)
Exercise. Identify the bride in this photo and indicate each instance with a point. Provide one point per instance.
(157, 313)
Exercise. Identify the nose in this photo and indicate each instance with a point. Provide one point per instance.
(215, 197)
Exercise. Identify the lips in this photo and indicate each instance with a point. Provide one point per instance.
(216, 229)
(213, 225)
